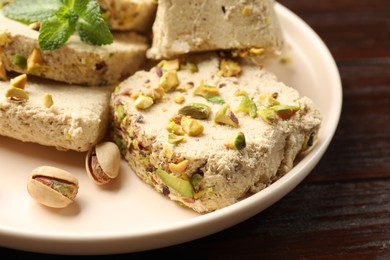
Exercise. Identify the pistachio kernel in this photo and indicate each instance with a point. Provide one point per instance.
(35, 62)
(237, 142)
(166, 65)
(19, 81)
(16, 94)
(19, 60)
(196, 110)
(178, 168)
(191, 126)
(52, 187)
(229, 68)
(247, 106)
(179, 99)
(175, 139)
(169, 80)
(143, 102)
(103, 162)
(226, 116)
(47, 100)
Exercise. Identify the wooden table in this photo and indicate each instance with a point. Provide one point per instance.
(342, 209)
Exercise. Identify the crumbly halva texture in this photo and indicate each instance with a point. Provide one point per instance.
(188, 26)
(123, 15)
(76, 62)
(67, 117)
(208, 131)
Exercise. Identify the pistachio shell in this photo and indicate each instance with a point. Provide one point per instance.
(108, 159)
(48, 195)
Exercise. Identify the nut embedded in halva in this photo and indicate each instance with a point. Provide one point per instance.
(103, 162)
(52, 187)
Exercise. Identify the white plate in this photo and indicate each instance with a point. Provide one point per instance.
(130, 216)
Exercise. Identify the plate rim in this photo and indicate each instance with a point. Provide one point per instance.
(91, 244)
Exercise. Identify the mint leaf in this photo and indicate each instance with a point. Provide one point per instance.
(59, 19)
(92, 28)
(31, 11)
(56, 30)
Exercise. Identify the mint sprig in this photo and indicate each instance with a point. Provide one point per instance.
(60, 19)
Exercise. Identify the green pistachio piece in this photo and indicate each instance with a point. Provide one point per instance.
(284, 111)
(247, 106)
(191, 126)
(210, 93)
(226, 116)
(195, 180)
(175, 139)
(169, 80)
(174, 128)
(229, 68)
(143, 102)
(196, 110)
(169, 64)
(120, 112)
(267, 114)
(19, 60)
(268, 99)
(192, 67)
(16, 94)
(183, 187)
(237, 142)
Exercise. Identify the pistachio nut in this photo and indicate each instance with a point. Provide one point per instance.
(103, 162)
(52, 187)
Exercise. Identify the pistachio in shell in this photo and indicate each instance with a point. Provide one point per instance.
(52, 187)
(103, 162)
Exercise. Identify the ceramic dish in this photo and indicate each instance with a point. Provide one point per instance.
(128, 215)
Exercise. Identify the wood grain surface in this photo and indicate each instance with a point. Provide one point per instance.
(342, 209)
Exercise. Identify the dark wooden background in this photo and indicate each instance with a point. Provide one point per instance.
(342, 209)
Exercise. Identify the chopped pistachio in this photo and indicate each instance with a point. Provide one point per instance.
(169, 80)
(226, 116)
(19, 81)
(143, 102)
(247, 106)
(47, 100)
(180, 185)
(16, 94)
(156, 93)
(175, 139)
(191, 126)
(285, 60)
(256, 51)
(196, 110)
(192, 67)
(179, 99)
(19, 60)
(3, 38)
(246, 11)
(284, 111)
(240, 93)
(211, 93)
(229, 68)
(178, 168)
(237, 142)
(35, 61)
(267, 99)
(172, 127)
(267, 114)
(3, 73)
(120, 112)
(206, 90)
(167, 65)
(136, 94)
